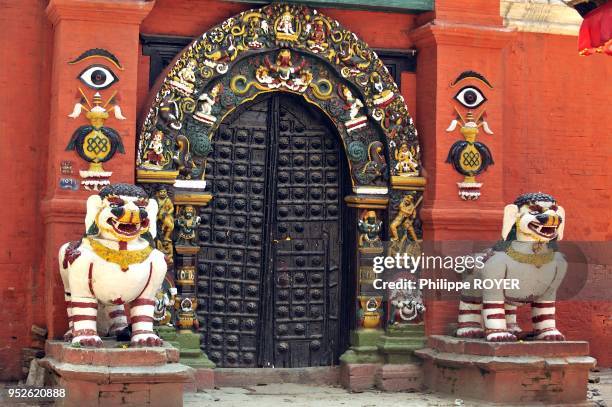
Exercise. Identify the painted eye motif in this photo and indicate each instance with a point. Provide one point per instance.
(470, 97)
(98, 77)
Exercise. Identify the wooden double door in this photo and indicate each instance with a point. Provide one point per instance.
(270, 272)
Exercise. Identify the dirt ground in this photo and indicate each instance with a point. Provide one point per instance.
(298, 395)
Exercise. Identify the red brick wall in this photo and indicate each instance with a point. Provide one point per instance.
(556, 138)
(24, 85)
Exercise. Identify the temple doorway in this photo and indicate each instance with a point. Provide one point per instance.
(271, 258)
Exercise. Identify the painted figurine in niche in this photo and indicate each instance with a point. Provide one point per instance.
(256, 30)
(154, 155)
(186, 307)
(285, 26)
(527, 252)
(407, 158)
(184, 80)
(207, 101)
(382, 96)
(112, 265)
(317, 39)
(376, 167)
(369, 230)
(402, 227)
(353, 105)
(406, 307)
(370, 313)
(187, 222)
(469, 157)
(165, 222)
(96, 143)
(164, 299)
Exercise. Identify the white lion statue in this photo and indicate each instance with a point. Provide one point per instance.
(114, 264)
(527, 254)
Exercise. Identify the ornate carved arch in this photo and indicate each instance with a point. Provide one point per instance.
(289, 48)
(286, 48)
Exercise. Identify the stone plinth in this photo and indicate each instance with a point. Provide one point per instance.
(399, 377)
(116, 376)
(400, 341)
(511, 372)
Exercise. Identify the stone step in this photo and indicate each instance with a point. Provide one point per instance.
(240, 377)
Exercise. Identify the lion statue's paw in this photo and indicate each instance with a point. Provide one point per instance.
(503, 336)
(472, 332)
(552, 335)
(87, 339)
(146, 339)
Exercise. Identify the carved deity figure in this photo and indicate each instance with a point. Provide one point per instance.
(407, 160)
(187, 222)
(184, 80)
(405, 217)
(163, 301)
(255, 28)
(154, 155)
(317, 40)
(352, 104)
(113, 264)
(526, 253)
(284, 73)
(285, 24)
(165, 220)
(207, 101)
(369, 228)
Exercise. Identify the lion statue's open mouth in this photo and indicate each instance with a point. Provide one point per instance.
(128, 229)
(548, 232)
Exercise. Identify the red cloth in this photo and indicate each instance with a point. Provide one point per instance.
(596, 31)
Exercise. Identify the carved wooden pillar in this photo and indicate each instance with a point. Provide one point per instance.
(405, 330)
(186, 247)
(370, 211)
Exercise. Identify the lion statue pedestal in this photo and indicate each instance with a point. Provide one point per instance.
(507, 372)
(484, 361)
(112, 375)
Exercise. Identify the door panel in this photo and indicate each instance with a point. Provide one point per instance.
(231, 236)
(271, 262)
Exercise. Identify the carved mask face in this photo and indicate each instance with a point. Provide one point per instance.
(539, 220)
(189, 212)
(162, 194)
(121, 212)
